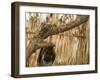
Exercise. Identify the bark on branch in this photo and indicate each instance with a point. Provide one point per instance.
(48, 30)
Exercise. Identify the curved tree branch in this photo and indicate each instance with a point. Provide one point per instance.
(48, 30)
